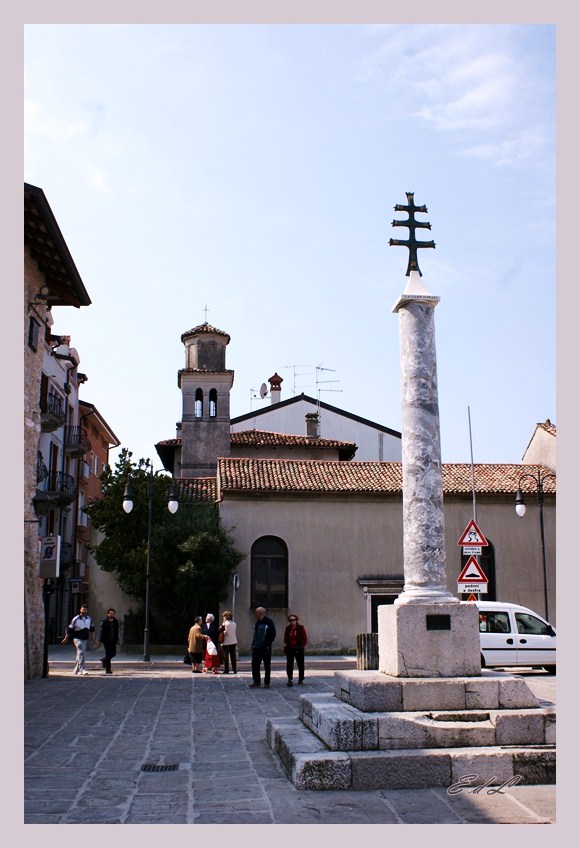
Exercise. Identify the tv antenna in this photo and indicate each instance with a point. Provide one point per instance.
(297, 374)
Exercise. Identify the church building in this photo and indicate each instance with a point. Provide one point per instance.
(313, 496)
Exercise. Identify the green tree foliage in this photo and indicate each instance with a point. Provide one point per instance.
(192, 556)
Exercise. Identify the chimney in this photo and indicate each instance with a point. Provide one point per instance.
(275, 388)
(312, 425)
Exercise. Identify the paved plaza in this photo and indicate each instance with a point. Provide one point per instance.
(153, 743)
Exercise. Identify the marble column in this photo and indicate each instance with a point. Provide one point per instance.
(423, 524)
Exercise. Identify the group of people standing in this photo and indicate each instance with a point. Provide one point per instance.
(210, 644)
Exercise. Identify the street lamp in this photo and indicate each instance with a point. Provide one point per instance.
(172, 506)
(539, 478)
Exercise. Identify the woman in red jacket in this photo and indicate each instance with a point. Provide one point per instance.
(295, 640)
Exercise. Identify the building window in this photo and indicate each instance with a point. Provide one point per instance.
(212, 403)
(269, 570)
(33, 333)
(198, 403)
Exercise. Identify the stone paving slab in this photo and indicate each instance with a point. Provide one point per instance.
(214, 730)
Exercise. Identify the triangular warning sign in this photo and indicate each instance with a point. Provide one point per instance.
(472, 597)
(472, 572)
(472, 535)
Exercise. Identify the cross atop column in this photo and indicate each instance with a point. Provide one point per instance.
(205, 310)
(412, 224)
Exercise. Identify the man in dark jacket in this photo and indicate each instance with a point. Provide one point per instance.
(108, 637)
(264, 635)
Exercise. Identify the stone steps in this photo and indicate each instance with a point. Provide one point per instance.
(309, 764)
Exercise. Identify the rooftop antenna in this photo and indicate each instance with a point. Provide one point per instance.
(319, 390)
(301, 374)
(261, 393)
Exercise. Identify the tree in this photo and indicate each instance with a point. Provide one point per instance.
(192, 555)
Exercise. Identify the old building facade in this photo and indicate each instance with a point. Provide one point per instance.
(322, 531)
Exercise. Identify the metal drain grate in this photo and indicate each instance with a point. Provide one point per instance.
(149, 767)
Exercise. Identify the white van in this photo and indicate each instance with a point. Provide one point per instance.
(512, 635)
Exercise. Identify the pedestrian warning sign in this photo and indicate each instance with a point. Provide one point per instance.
(472, 535)
(472, 572)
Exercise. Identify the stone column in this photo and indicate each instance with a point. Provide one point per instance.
(423, 525)
(427, 632)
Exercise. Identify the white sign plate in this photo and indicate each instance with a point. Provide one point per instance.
(471, 587)
(472, 550)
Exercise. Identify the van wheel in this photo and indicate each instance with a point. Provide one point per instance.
(482, 661)
(551, 669)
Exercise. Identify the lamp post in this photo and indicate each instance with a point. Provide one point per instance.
(172, 506)
(539, 478)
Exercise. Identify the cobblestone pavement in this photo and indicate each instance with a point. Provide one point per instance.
(153, 743)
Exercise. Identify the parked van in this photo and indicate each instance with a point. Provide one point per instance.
(512, 635)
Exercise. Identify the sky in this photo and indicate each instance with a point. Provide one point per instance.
(246, 174)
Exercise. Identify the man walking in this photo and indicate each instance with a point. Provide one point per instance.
(264, 635)
(80, 630)
(109, 638)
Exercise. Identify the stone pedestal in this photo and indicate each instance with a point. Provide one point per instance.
(429, 640)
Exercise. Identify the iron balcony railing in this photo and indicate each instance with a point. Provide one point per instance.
(66, 554)
(52, 414)
(76, 441)
(58, 487)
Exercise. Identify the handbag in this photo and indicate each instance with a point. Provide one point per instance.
(221, 636)
(211, 648)
(187, 659)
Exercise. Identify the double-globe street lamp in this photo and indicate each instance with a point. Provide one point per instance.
(172, 506)
(539, 478)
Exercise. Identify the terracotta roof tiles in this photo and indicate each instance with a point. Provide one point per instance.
(307, 476)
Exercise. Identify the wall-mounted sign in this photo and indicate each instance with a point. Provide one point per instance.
(49, 556)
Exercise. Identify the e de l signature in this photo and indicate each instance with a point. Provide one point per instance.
(465, 784)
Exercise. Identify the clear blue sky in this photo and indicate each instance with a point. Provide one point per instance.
(253, 169)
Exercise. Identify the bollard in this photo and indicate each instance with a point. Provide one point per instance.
(367, 651)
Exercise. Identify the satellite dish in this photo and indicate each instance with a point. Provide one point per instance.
(263, 390)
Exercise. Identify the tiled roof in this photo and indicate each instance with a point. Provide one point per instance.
(266, 438)
(197, 489)
(204, 328)
(292, 475)
(548, 427)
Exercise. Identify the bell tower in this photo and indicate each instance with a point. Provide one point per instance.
(205, 385)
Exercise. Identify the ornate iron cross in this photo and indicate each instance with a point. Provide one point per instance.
(412, 224)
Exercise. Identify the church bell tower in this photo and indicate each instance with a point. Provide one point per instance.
(205, 385)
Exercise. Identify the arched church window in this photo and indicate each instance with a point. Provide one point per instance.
(198, 403)
(269, 573)
(212, 403)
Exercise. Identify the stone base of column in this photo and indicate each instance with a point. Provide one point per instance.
(429, 640)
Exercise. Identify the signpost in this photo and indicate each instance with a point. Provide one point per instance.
(472, 578)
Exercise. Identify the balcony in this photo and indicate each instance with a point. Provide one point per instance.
(57, 489)
(66, 555)
(76, 441)
(52, 415)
